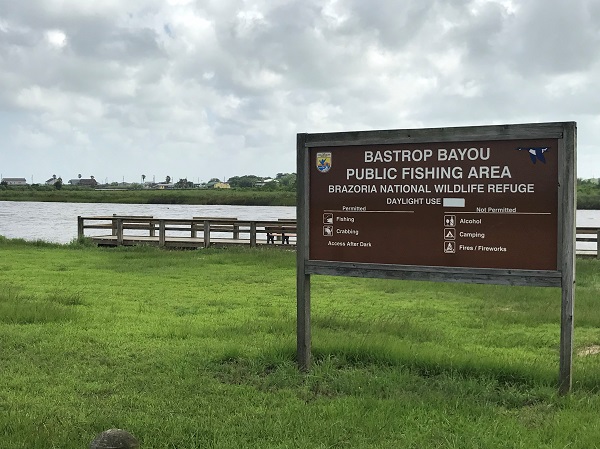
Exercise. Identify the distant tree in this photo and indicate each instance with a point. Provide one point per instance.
(92, 177)
(143, 178)
(213, 180)
(79, 175)
(4, 183)
(58, 184)
(244, 181)
(287, 180)
(271, 186)
(184, 184)
(168, 179)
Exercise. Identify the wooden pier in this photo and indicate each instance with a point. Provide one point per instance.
(203, 232)
(590, 236)
(196, 232)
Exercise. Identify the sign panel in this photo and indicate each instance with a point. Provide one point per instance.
(472, 203)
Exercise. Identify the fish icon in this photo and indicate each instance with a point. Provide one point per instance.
(535, 153)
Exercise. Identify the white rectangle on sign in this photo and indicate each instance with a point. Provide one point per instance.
(454, 202)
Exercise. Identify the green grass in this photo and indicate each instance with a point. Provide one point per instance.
(195, 349)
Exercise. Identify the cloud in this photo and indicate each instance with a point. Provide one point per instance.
(207, 89)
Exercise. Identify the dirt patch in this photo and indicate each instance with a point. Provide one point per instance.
(590, 350)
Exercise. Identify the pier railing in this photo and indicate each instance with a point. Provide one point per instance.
(116, 230)
(587, 241)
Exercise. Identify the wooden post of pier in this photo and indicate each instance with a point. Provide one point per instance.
(206, 233)
(162, 233)
(79, 227)
(253, 234)
(119, 230)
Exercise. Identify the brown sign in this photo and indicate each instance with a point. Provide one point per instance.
(479, 204)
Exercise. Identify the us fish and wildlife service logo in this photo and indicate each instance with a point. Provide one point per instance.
(323, 162)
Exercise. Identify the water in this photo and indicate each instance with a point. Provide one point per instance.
(57, 222)
(588, 218)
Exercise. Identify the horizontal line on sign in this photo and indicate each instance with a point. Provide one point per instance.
(372, 211)
(504, 213)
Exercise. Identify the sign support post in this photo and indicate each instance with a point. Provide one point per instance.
(303, 346)
(568, 199)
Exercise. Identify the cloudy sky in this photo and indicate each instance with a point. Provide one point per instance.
(219, 88)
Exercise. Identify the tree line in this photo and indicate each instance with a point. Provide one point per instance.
(282, 181)
(588, 191)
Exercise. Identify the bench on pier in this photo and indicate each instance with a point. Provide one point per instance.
(283, 232)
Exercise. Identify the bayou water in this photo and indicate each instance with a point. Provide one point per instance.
(57, 222)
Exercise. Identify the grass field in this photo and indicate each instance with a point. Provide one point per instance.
(195, 349)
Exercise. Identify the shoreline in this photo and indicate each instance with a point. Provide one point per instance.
(199, 197)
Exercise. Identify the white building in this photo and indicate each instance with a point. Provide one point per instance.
(14, 181)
